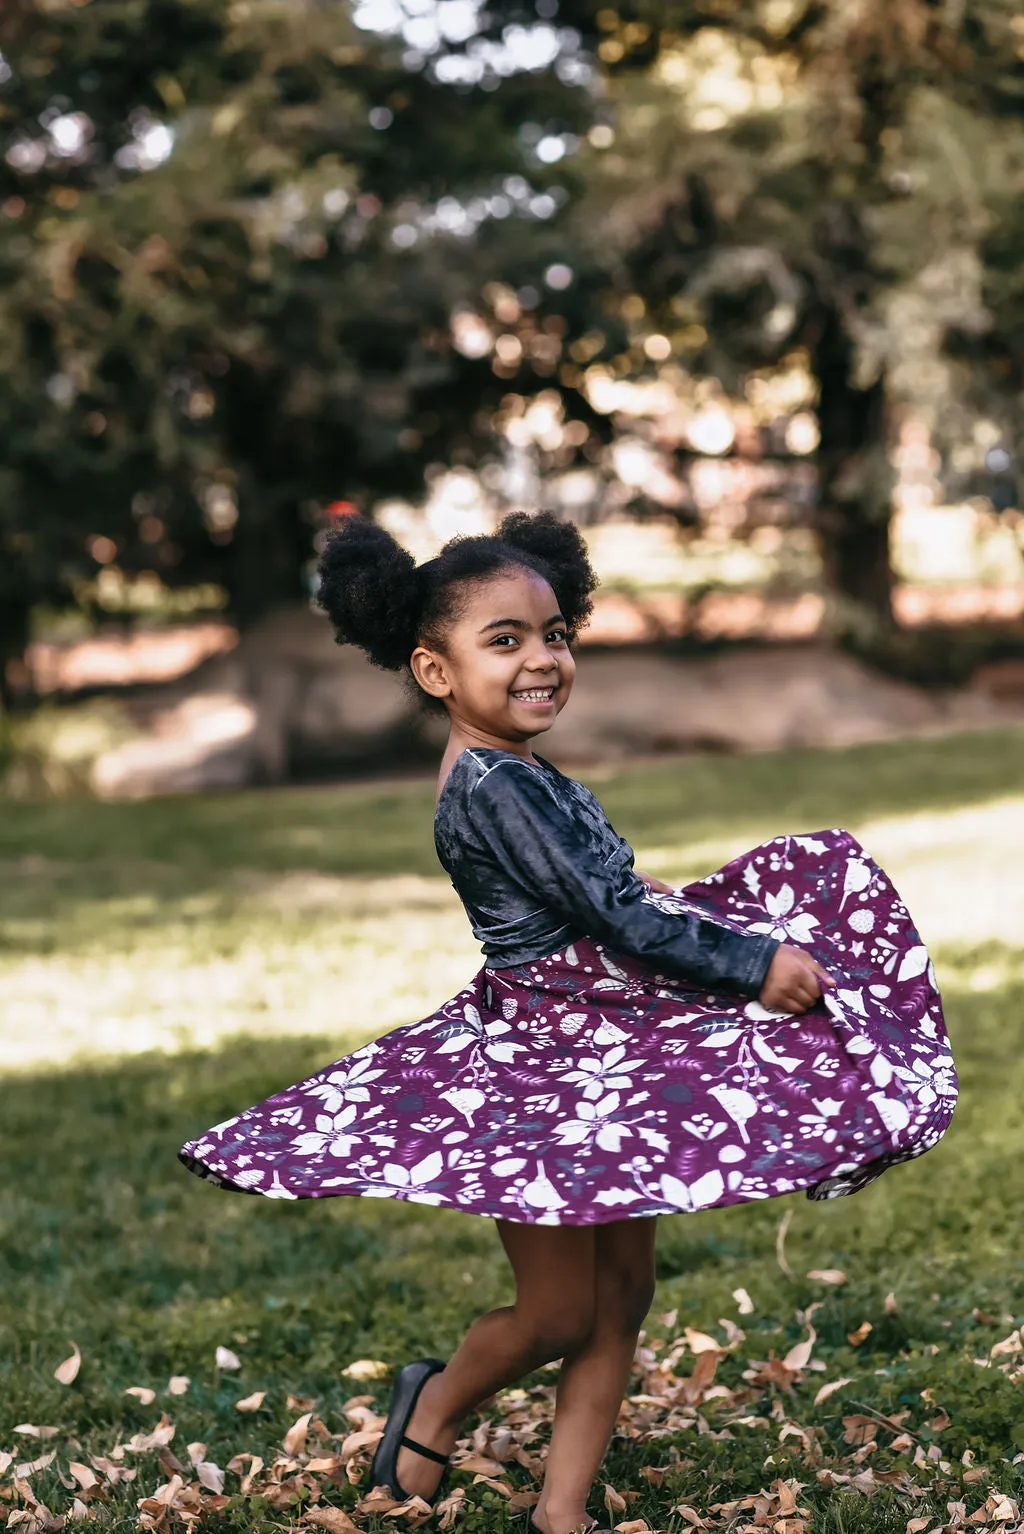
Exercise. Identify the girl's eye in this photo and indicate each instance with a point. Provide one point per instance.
(500, 640)
(558, 635)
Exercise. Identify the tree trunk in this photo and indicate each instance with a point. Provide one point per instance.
(855, 489)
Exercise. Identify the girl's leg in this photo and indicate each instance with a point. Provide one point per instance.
(593, 1380)
(552, 1318)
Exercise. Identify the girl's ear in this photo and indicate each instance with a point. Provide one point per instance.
(427, 667)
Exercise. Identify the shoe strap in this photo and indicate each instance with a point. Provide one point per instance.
(420, 1448)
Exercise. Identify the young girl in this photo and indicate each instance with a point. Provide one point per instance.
(625, 1052)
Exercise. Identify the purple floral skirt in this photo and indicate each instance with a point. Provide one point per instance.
(584, 1087)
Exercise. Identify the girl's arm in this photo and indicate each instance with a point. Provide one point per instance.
(547, 849)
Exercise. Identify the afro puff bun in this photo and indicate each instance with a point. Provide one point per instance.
(378, 598)
(370, 591)
(555, 550)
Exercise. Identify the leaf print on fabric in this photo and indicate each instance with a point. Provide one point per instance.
(585, 1087)
(739, 1105)
(914, 963)
(857, 877)
(541, 1192)
(465, 1100)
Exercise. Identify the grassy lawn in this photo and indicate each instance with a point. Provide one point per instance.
(165, 964)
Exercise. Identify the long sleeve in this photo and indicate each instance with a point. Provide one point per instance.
(549, 852)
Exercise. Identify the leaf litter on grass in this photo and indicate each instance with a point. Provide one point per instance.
(676, 1398)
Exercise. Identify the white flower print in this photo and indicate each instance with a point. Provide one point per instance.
(412, 1182)
(604, 1075)
(329, 1135)
(593, 1121)
(795, 928)
(349, 1084)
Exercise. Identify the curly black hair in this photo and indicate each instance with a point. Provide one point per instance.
(380, 600)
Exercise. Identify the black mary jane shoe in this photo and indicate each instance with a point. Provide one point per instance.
(404, 1395)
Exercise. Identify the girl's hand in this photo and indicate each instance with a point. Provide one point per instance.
(656, 886)
(794, 981)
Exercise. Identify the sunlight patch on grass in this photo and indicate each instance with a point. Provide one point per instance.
(258, 954)
(121, 954)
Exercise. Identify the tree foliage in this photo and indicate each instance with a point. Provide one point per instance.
(200, 349)
(203, 347)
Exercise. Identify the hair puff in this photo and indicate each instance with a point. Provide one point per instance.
(370, 591)
(558, 550)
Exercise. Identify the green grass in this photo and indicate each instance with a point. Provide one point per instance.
(319, 915)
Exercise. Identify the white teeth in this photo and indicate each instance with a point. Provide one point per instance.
(536, 694)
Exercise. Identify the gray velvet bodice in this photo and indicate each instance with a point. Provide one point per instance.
(535, 862)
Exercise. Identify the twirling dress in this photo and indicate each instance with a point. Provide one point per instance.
(611, 1060)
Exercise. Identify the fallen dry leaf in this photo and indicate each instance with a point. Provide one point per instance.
(178, 1384)
(22, 1472)
(142, 1394)
(799, 1356)
(211, 1476)
(1009, 1346)
(144, 1443)
(891, 1306)
(29, 1430)
(477, 1464)
(302, 1403)
(67, 1372)
(332, 1519)
(447, 1511)
(856, 1338)
(744, 1303)
(251, 1403)
(294, 1440)
(225, 1359)
(831, 1388)
(828, 1276)
(613, 1500)
(700, 1342)
(780, 1243)
(367, 1369)
(691, 1515)
(85, 1477)
(114, 1473)
(634, 1526)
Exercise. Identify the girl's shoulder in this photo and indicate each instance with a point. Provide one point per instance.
(493, 766)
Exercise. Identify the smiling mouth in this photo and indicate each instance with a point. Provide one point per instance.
(534, 695)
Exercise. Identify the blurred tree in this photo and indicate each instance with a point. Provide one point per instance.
(820, 175)
(232, 236)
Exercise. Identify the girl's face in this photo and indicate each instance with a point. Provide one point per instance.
(506, 670)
